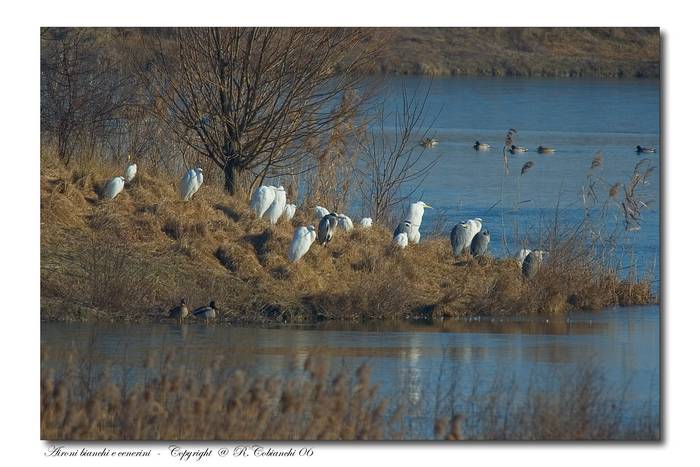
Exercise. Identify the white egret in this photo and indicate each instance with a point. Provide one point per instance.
(521, 255)
(130, 171)
(180, 312)
(480, 243)
(321, 212)
(113, 188)
(326, 228)
(415, 212)
(190, 183)
(345, 223)
(289, 211)
(262, 199)
(303, 238)
(414, 234)
(401, 240)
(274, 212)
(366, 222)
(206, 312)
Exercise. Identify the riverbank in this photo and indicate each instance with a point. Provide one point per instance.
(526, 52)
(132, 259)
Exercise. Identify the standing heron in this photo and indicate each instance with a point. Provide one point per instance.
(206, 312)
(345, 223)
(130, 171)
(262, 199)
(366, 222)
(532, 263)
(326, 228)
(521, 255)
(274, 212)
(113, 188)
(415, 217)
(180, 312)
(303, 238)
(462, 235)
(289, 211)
(190, 183)
(480, 243)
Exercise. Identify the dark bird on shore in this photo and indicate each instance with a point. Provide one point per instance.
(546, 150)
(526, 166)
(481, 146)
(180, 311)
(532, 263)
(206, 312)
(517, 149)
(326, 228)
(480, 243)
(645, 150)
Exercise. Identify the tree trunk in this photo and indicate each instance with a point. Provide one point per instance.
(230, 174)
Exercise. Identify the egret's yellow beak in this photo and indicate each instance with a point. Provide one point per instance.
(428, 206)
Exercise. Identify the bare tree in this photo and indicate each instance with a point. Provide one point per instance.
(82, 89)
(248, 98)
(391, 162)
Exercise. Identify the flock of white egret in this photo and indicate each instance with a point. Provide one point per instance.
(270, 202)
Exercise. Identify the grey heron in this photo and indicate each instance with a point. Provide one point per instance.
(480, 243)
(326, 228)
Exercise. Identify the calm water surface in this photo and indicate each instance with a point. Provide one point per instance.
(577, 117)
(415, 361)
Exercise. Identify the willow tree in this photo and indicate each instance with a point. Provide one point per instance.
(248, 98)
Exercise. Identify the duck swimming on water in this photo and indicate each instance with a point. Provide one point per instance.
(645, 149)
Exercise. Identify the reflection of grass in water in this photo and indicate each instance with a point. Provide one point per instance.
(215, 403)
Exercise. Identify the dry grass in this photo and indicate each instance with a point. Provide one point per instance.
(134, 257)
(167, 402)
(545, 52)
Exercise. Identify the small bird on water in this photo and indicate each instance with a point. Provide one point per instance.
(645, 149)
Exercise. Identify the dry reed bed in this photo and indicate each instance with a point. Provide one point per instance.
(170, 403)
(134, 257)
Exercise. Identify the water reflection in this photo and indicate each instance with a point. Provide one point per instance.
(406, 358)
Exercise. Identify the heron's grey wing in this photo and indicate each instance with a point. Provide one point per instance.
(323, 227)
(458, 239)
(478, 245)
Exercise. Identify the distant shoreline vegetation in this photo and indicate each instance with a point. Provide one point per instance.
(522, 52)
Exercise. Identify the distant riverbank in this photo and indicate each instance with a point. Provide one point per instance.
(527, 52)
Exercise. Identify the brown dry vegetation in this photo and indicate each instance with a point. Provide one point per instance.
(133, 258)
(545, 52)
(169, 403)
